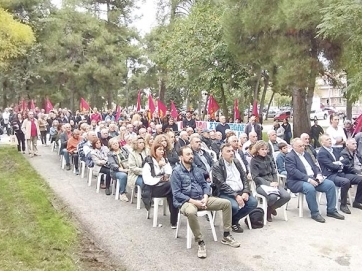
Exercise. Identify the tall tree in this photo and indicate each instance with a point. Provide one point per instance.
(285, 36)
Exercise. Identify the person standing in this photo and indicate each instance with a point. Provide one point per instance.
(30, 128)
(253, 126)
(315, 132)
(222, 127)
(287, 131)
(16, 123)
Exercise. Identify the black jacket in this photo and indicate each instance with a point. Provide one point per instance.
(347, 160)
(219, 176)
(200, 164)
(263, 170)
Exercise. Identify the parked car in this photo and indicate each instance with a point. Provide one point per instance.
(330, 111)
(272, 113)
(282, 115)
(318, 114)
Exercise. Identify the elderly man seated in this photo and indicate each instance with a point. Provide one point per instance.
(341, 175)
(304, 176)
(273, 144)
(253, 138)
(350, 158)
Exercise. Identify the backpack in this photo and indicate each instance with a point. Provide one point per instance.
(256, 218)
(88, 160)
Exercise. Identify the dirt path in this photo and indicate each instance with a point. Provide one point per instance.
(124, 232)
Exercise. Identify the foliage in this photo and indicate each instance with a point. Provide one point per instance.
(196, 58)
(15, 37)
(285, 37)
(342, 21)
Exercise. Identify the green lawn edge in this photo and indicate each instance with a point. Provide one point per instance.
(33, 234)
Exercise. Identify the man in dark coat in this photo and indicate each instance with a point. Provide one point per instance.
(304, 176)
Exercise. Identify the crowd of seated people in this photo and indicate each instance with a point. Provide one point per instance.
(199, 169)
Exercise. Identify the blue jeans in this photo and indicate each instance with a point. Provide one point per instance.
(139, 181)
(327, 187)
(66, 156)
(237, 212)
(122, 179)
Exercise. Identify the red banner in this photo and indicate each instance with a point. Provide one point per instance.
(174, 113)
(83, 105)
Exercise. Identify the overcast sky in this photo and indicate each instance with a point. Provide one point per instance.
(147, 10)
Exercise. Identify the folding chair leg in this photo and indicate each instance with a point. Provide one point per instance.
(178, 224)
(212, 226)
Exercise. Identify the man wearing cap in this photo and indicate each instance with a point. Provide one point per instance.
(205, 138)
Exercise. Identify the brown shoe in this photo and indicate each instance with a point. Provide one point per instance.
(103, 186)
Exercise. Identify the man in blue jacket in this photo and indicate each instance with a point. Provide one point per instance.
(304, 176)
(191, 194)
(336, 171)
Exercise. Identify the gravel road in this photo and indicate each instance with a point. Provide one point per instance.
(124, 231)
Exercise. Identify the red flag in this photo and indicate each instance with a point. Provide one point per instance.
(32, 105)
(161, 109)
(174, 113)
(23, 105)
(118, 112)
(139, 101)
(151, 106)
(48, 106)
(358, 127)
(255, 110)
(83, 105)
(236, 110)
(212, 106)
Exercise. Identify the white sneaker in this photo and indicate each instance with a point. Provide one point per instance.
(123, 197)
(201, 252)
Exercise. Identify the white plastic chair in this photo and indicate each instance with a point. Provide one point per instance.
(82, 168)
(189, 233)
(90, 176)
(99, 178)
(138, 196)
(265, 203)
(156, 202)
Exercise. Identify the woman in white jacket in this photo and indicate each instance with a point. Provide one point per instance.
(135, 162)
(156, 174)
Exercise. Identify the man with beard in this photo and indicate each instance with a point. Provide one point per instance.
(191, 194)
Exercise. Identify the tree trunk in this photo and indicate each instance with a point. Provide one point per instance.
(5, 99)
(223, 100)
(269, 103)
(349, 109)
(300, 112)
(205, 106)
(256, 90)
(162, 89)
(262, 100)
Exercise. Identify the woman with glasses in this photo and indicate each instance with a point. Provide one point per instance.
(135, 162)
(100, 160)
(118, 163)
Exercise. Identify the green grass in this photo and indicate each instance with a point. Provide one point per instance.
(33, 235)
